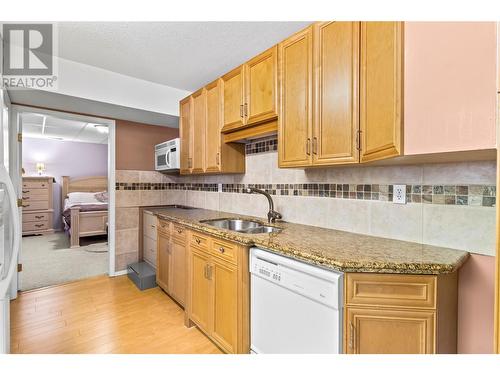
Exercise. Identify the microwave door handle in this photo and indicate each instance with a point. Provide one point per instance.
(168, 159)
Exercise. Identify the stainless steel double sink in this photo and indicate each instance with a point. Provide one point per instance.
(241, 226)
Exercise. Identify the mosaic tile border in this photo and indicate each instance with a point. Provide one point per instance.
(262, 145)
(460, 195)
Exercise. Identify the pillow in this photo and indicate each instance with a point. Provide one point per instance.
(80, 197)
(102, 196)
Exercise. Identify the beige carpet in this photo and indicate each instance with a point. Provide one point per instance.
(48, 260)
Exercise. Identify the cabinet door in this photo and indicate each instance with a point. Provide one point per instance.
(163, 260)
(214, 122)
(177, 280)
(336, 61)
(233, 99)
(200, 293)
(261, 86)
(295, 119)
(224, 279)
(380, 104)
(185, 133)
(369, 331)
(198, 133)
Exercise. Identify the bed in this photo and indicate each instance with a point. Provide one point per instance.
(83, 219)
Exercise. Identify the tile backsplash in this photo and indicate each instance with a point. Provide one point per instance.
(449, 204)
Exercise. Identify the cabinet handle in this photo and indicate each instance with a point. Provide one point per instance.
(209, 272)
(25, 191)
(38, 217)
(308, 146)
(205, 271)
(246, 109)
(152, 226)
(190, 163)
(197, 240)
(26, 198)
(25, 205)
(351, 335)
(217, 158)
(222, 250)
(179, 231)
(315, 146)
(241, 110)
(38, 225)
(358, 140)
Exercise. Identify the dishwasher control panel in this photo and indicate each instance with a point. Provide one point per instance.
(267, 270)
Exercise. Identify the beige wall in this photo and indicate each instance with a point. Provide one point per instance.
(135, 144)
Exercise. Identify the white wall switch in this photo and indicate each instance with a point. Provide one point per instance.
(399, 194)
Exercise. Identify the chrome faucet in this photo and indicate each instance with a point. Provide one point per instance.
(271, 215)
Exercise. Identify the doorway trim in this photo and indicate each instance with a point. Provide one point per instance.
(18, 110)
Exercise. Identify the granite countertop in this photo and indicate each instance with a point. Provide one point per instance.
(339, 250)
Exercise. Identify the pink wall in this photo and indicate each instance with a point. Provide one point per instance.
(476, 291)
(449, 86)
(63, 158)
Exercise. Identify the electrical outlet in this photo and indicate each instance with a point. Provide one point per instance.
(399, 194)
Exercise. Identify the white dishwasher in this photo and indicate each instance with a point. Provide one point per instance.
(295, 307)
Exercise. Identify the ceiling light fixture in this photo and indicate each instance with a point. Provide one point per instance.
(101, 128)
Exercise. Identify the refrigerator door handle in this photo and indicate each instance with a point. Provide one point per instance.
(11, 193)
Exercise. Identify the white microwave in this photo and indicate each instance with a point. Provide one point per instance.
(168, 156)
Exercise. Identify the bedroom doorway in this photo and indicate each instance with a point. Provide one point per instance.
(65, 189)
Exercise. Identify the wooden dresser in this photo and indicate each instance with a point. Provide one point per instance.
(38, 209)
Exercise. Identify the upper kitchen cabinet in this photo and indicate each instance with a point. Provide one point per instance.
(319, 114)
(250, 92)
(234, 99)
(450, 86)
(295, 118)
(219, 156)
(198, 132)
(185, 133)
(380, 90)
(336, 71)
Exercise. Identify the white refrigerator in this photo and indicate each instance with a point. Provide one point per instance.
(10, 228)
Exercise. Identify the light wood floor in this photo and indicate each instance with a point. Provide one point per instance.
(102, 315)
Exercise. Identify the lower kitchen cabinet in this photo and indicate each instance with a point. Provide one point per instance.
(400, 314)
(163, 260)
(218, 293)
(171, 260)
(199, 302)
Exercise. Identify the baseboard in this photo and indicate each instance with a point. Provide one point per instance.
(119, 273)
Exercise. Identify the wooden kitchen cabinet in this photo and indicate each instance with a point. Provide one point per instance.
(186, 135)
(219, 156)
(224, 277)
(250, 92)
(295, 118)
(320, 121)
(177, 270)
(336, 72)
(400, 314)
(381, 90)
(171, 271)
(199, 129)
(163, 260)
(218, 293)
(200, 288)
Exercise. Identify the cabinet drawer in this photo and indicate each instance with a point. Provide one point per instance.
(35, 225)
(414, 291)
(199, 240)
(35, 194)
(35, 184)
(35, 205)
(224, 250)
(149, 250)
(42, 216)
(164, 226)
(149, 226)
(179, 232)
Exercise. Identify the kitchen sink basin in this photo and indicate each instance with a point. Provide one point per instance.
(242, 226)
